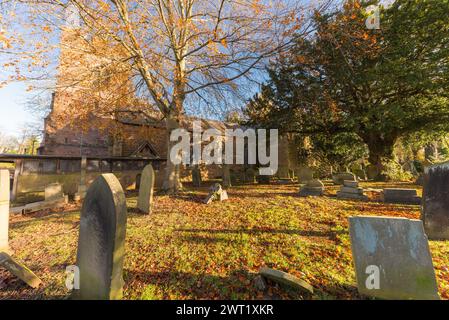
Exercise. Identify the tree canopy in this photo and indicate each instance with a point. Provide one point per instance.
(378, 85)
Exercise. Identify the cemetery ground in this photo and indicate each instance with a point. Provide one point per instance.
(188, 250)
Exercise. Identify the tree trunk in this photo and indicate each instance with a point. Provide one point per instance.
(380, 152)
(172, 183)
(226, 177)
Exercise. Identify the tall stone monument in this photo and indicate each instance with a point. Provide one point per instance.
(435, 210)
(101, 244)
(4, 209)
(145, 199)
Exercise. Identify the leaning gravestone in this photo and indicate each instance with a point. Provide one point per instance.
(4, 209)
(53, 192)
(101, 244)
(146, 189)
(435, 211)
(392, 258)
(216, 192)
(19, 270)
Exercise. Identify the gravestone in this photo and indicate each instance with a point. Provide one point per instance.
(19, 270)
(400, 196)
(339, 178)
(196, 177)
(351, 190)
(216, 192)
(304, 174)
(313, 187)
(53, 192)
(250, 175)
(435, 211)
(82, 185)
(4, 209)
(145, 199)
(372, 172)
(392, 258)
(101, 244)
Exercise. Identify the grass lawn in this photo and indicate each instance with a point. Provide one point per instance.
(188, 250)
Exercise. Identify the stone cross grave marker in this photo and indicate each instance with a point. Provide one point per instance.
(101, 244)
(435, 211)
(4, 209)
(392, 258)
(145, 199)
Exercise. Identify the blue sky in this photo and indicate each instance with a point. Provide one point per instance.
(13, 115)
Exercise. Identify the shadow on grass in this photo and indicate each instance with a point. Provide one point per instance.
(255, 231)
(237, 285)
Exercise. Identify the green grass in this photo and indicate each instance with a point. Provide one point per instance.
(188, 250)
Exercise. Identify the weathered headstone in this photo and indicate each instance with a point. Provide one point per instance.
(392, 258)
(401, 196)
(82, 184)
(101, 244)
(351, 190)
(19, 270)
(313, 187)
(372, 172)
(53, 192)
(304, 174)
(339, 178)
(4, 209)
(145, 199)
(435, 211)
(196, 177)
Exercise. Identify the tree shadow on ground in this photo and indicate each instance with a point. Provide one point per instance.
(253, 231)
(238, 284)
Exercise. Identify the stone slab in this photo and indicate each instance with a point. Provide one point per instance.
(351, 184)
(286, 279)
(398, 249)
(352, 190)
(400, 193)
(311, 191)
(400, 196)
(43, 205)
(19, 270)
(352, 196)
